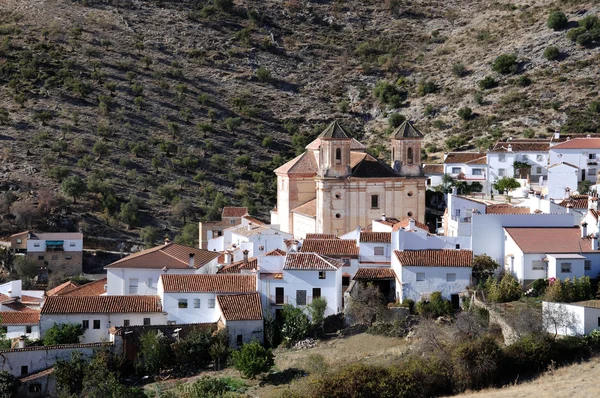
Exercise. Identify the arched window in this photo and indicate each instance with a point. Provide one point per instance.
(338, 156)
(409, 156)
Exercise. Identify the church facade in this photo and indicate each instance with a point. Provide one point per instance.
(336, 185)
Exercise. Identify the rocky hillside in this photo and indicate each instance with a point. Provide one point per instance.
(167, 110)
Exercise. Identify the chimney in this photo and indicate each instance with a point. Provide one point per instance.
(568, 138)
(167, 240)
(191, 261)
(411, 224)
(509, 148)
(569, 207)
(383, 218)
(556, 134)
(358, 230)
(249, 226)
(584, 230)
(567, 193)
(588, 136)
(594, 242)
(21, 342)
(245, 253)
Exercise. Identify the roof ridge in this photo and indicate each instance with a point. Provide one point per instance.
(142, 253)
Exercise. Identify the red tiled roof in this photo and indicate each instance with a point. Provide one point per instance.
(550, 240)
(241, 307)
(31, 300)
(594, 213)
(254, 220)
(376, 237)
(234, 211)
(404, 224)
(310, 261)
(62, 288)
(19, 317)
(305, 164)
(276, 252)
(433, 168)
(466, 157)
(577, 201)
(521, 146)
(307, 209)
(100, 304)
(205, 283)
(321, 236)
(331, 247)
(171, 255)
(95, 288)
(435, 258)
(16, 305)
(4, 297)
(374, 273)
(236, 267)
(579, 143)
(505, 209)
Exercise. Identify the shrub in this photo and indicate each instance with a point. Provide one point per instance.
(487, 82)
(476, 363)
(503, 291)
(595, 106)
(193, 350)
(316, 309)
(465, 113)
(426, 87)
(63, 333)
(557, 20)
(295, 324)
(243, 161)
(263, 75)
(505, 64)
(454, 142)
(8, 385)
(212, 387)
(523, 81)
(435, 307)
(551, 53)
(232, 123)
(395, 119)
(267, 142)
(252, 359)
(459, 70)
(569, 291)
(389, 94)
(155, 352)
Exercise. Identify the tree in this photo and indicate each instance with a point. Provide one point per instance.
(557, 20)
(63, 333)
(26, 268)
(73, 186)
(253, 359)
(505, 64)
(182, 209)
(316, 309)
(188, 235)
(155, 352)
(69, 374)
(367, 305)
(100, 149)
(568, 291)
(465, 113)
(557, 319)
(129, 212)
(505, 290)
(483, 267)
(219, 347)
(389, 94)
(435, 307)
(506, 184)
(396, 119)
(9, 385)
(193, 350)
(149, 235)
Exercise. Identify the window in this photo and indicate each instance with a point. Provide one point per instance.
(36, 245)
(456, 170)
(338, 156)
(450, 277)
(146, 321)
(67, 257)
(538, 170)
(133, 286)
(231, 222)
(420, 276)
(85, 324)
(322, 274)
(538, 265)
(40, 257)
(126, 322)
(28, 329)
(409, 156)
(502, 157)
(501, 172)
(316, 292)
(346, 262)
(345, 280)
(55, 257)
(591, 172)
(19, 241)
(587, 265)
(240, 340)
(374, 201)
(196, 303)
(211, 303)
(96, 323)
(24, 370)
(72, 244)
(599, 321)
(592, 156)
(300, 297)
(182, 303)
(149, 282)
(539, 158)
(565, 268)
(279, 295)
(378, 251)
(477, 172)
(457, 246)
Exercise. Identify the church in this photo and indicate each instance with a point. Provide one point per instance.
(336, 185)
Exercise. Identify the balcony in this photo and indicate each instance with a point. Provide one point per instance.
(282, 300)
(55, 246)
(461, 219)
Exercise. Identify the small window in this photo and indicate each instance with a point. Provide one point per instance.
(28, 329)
(126, 322)
(539, 158)
(211, 303)
(72, 244)
(588, 265)
(374, 201)
(502, 157)
(24, 370)
(592, 156)
(456, 170)
(232, 222)
(36, 245)
(538, 170)
(599, 321)
(322, 274)
(410, 193)
(457, 246)
(378, 251)
(133, 286)
(240, 340)
(182, 303)
(96, 323)
(501, 172)
(40, 257)
(420, 276)
(85, 324)
(565, 268)
(346, 262)
(146, 321)
(591, 172)
(316, 292)
(409, 156)
(410, 213)
(19, 241)
(538, 265)
(149, 282)
(477, 172)
(345, 280)
(338, 215)
(197, 303)
(338, 156)
(300, 297)
(450, 277)
(67, 257)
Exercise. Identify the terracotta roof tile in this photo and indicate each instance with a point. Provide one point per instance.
(404, 224)
(594, 213)
(579, 143)
(19, 317)
(241, 307)
(521, 146)
(171, 255)
(31, 300)
(276, 252)
(251, 229)
(374, 273)
(577, 201)
(304, 164)
(62, 288)
(100, 304)
(95, 288)
(236, 267)
(466, 157)
(18, 306)
(433, 168)
(376, 237)
(205, 283)
(331, 247)
(234, 211)
(4, 297)
(310, 261)
(321, 236)
(435, 258)
(366, 166)
(506, 209)
(307, 209)
(550, 240)
(254, 220)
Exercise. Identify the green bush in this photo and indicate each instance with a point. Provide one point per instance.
(557, 20)
(435, 307)
(395, 119)
(505, 64)
(459, 70)
(551, 53)
(389, 94)
(155, 352)
(295, 324)
(503, 291)
(252, 359)
(569, 291)
(465, 113)
(523, 81)
(487, 82)
(476, 363)
(212, 387)
(426, 87)
(8, 385)
(63, 333)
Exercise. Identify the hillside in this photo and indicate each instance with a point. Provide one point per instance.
(189, 105)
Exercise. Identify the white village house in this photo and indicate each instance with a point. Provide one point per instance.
(242, 315)
(571, 319)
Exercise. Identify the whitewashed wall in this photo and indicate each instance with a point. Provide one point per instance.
(250, 330)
